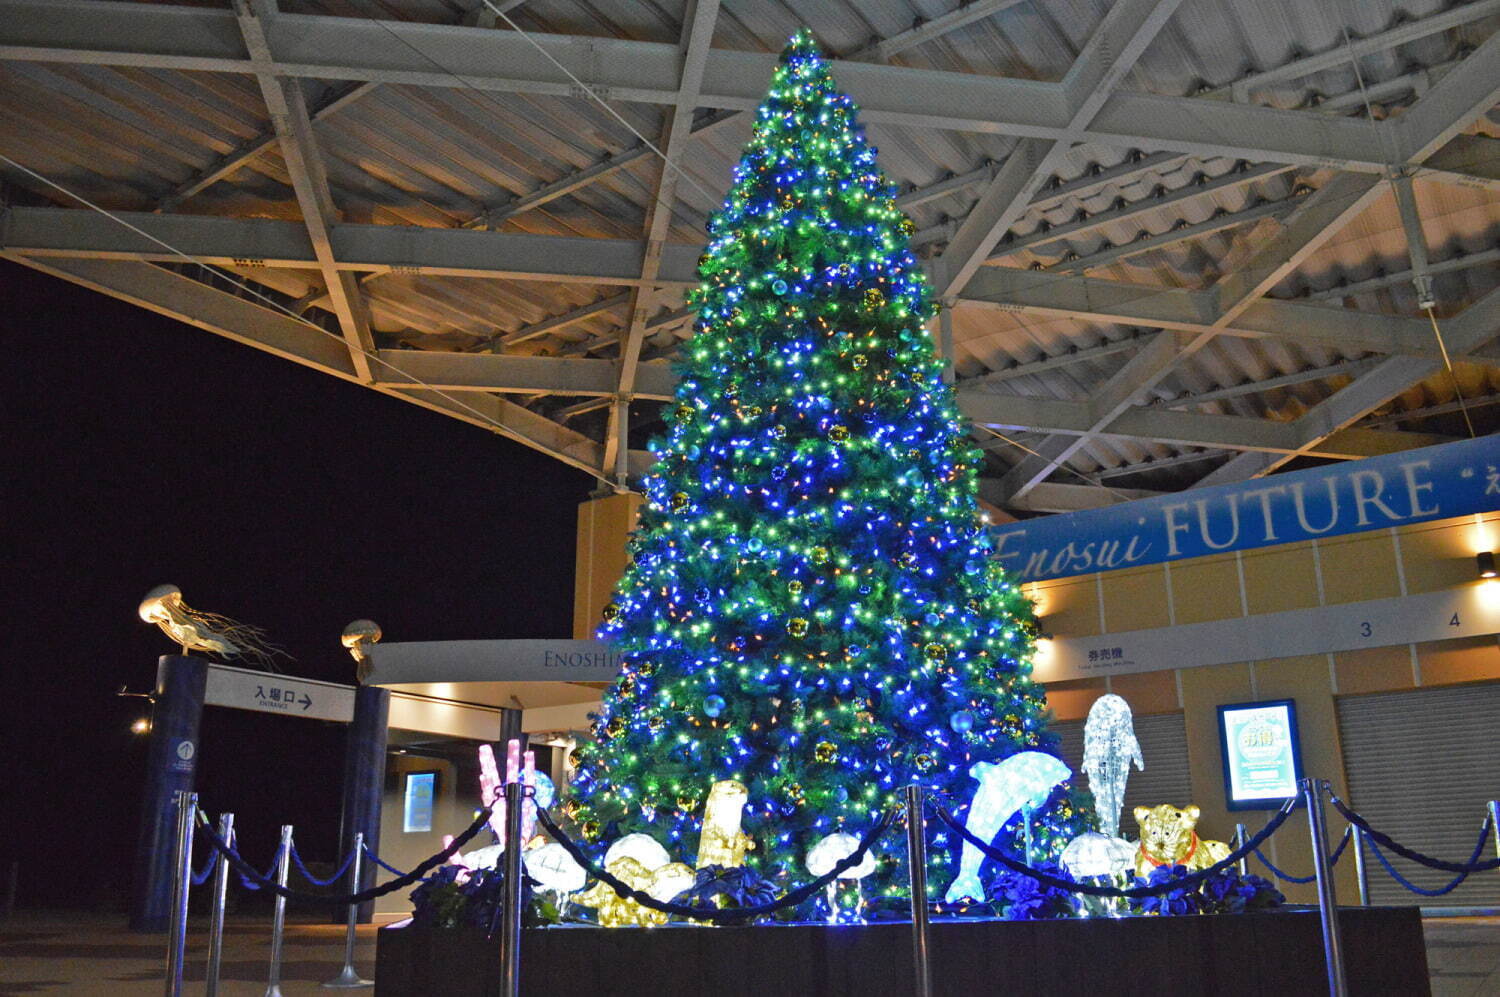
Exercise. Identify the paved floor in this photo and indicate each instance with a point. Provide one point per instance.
(66, 953)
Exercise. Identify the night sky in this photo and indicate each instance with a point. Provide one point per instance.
(140, 451)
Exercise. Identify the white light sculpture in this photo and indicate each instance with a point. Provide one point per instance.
(1109, 746)
(1021, 782)
(830, 851)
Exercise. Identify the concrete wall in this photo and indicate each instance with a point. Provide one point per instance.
(453, 810)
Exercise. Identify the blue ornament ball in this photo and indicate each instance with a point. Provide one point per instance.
(778, 286)
(962, 722)
(713, 705)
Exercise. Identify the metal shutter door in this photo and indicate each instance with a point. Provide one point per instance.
(1422, 768)
(1163, 738)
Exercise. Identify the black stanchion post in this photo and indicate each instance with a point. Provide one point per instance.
(1361, 871)
(510, 950)
(182, 879)
(216, 923)
(1239, 842)
(348, 979)
(278, 921)
(364, 781)
(170, 763)
(1333, 952)
(916, 858)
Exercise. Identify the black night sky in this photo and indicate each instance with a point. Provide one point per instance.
(138, 451)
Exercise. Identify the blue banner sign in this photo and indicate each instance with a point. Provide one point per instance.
(1414, 486)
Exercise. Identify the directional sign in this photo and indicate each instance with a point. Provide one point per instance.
(265, 692)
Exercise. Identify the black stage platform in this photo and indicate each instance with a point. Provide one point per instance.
(1277, 953)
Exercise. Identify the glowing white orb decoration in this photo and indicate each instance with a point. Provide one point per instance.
(1021, 782)
(642, 848)
(830, 851)
(552, 866)
(1095, 854)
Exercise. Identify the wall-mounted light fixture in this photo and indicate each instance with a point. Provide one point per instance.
(1486, 561)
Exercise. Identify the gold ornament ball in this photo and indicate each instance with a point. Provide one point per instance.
(611, 613)
(590, 830)
(797, 627)
(859, 361)
(825, 751)
(936, 651)
(685, 412)
(778, 432)
(794, 586)
(873, 298)
(655, 724)
(924, 762)
(615, 727)
(838, 434)
(679, 501)
(819, 555)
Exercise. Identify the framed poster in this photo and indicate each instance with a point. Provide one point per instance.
(1262, 753)
(416, 811)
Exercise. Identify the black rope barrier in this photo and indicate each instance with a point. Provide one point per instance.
(1333, 860)
(1415, 856)
(1154, 889)
(248, 872)
(307, 873)
(715, 914)
(1484, 834)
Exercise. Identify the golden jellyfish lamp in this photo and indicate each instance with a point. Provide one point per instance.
(196, 630)
(358, 637)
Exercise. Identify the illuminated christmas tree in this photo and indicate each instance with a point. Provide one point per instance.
(812, 609)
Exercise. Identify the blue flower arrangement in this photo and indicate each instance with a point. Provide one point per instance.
(453, 898)
(1224, 892)
(1018, 897)
(728, 886)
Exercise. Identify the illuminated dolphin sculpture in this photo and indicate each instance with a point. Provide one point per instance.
(1021, 782)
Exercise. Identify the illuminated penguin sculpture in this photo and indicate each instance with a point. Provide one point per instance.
(1021, 782)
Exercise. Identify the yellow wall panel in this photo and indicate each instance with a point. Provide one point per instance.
(1470, 659)
(1148, 692)
(1135, 599)
(604, 525)
(1202, 690)
(1071, 700)
(1375, 669)
(1206, 588)
(1359, 568)
(1438, 557)
(1069, 606)
(1278, 579)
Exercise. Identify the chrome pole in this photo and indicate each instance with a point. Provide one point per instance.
(1495, 824)
(182, 879)
(1239, 842)
(278, 923)
(216, 924)
(510, 945)
(1333, 952)
(1361, 871)
(348, 979)
(916, 858)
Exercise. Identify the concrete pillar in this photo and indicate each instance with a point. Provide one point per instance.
(171, 763)
(364, 782)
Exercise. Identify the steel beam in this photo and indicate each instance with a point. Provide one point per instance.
(304, 164)
(697, 37)
(166, 36)
(1113, 48)
(265, 328)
